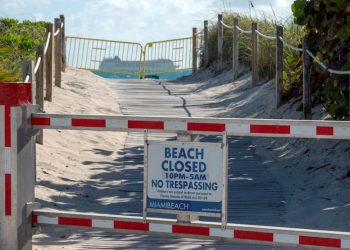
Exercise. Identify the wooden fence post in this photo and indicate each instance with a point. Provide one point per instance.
(206, 45)
(235, 50)
(49, 59)
(194, 50)
(63, 43)
(255, 55)
(279, 66)
(220, 43)
(306, 81)
(58, 54)
(40, 87)
(28, 69)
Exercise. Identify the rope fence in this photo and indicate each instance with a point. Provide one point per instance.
(281, 43)
(46, 59)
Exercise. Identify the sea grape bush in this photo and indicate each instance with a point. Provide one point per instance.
(18, 42)
(327, 27)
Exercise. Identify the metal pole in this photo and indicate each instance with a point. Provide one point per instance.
(17, 171)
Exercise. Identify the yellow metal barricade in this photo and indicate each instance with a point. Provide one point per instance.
(116, 57)
(167, 56)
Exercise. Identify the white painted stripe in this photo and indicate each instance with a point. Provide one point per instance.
(237, 128)
(345, 244)
(61, 122)
(162, 228)
(8, 160)
(175, 126)
(299, 130)
(343, 132)
(103, 223)
(219, 232)
(116, 123)
(286, 238)
(47, 220)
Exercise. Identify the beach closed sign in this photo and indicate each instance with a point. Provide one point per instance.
(184, 177)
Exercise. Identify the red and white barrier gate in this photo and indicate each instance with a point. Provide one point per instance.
(233, 126)
(207, 230)
(19, 122)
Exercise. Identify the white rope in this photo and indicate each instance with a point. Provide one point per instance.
(226, 26)
(244, 31)
(198, 33)
(265, 36)
(62, 24)
(333, 71)
(57, 32)
(27, 78)
(37, 64)
(290, 46)
(47, 42)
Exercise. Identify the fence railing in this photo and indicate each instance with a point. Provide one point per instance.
(280, 44)
(50, 62)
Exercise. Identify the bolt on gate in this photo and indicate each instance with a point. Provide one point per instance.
(132, 59)
(20, 216)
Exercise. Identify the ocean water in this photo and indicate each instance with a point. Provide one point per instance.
(168, 76)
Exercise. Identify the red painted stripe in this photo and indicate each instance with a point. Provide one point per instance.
(41, 121)
(179, 229)
(34, 219)
(208, 127)
(8, 195)
(270, 129)
(91, 123)
(249, 235)
(81, 222)
(318, 241)
(126, 225)
(321, 130)
(146, 124)
(7, 120)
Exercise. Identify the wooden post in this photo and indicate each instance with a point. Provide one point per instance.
(255, 56)
(220, 43)
(194, 50)
(279, 66)
(306, 82)
(58, 54)
(49, 68)
(40, 87)
(235, 50)
(63, 43)
(28, 69)
(206, 45)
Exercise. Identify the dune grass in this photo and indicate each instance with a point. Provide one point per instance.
(267, 25)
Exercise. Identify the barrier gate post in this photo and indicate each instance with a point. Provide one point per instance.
(17, 166)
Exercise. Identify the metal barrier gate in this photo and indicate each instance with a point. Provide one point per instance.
(20, 215)
(131, 59)
(116, 57)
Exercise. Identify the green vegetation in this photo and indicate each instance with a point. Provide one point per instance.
(18, 42)
(327, 27)
(292, 60)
